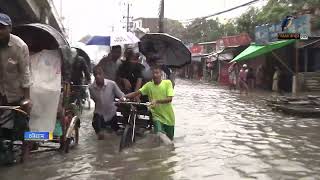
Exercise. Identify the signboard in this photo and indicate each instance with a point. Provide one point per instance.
(220, 45)
(269, 33)
(197, 49)
(232, 41)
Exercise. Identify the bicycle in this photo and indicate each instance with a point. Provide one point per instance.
(17, 146)
(12, 147)
(134, 119)
(78, 100)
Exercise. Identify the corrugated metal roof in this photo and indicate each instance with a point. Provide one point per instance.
(313, 43)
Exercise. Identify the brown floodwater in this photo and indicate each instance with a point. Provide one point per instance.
(219, 135)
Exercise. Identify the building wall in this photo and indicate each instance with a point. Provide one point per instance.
(151, 23)
(137, 24)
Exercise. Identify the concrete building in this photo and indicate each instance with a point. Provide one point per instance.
(148, 24)
(141, 25)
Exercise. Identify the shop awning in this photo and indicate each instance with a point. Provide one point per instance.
(256, 50)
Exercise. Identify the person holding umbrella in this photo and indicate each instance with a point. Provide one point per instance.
(111, 63)
(163, 49)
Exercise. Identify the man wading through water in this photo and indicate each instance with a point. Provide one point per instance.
(160, 93)
(15, 81)
(103, 92)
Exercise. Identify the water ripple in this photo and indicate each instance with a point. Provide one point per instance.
(219, 135)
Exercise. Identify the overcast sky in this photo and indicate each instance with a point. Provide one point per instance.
(84, 17)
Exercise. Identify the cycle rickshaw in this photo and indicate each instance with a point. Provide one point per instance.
(53, 123)
(132, 117)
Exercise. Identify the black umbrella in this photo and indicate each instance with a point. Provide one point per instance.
(171, 50)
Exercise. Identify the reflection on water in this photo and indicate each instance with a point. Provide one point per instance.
(219, 135)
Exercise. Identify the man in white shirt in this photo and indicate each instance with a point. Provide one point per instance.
(103, 92)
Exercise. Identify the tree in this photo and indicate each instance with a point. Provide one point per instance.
(201, 30)
(248, 21)
(229, 28)
(275, 10)
(174, 28)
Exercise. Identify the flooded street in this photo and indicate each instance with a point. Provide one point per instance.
(219, 135)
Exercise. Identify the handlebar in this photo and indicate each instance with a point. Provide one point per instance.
(10, 107)
(79, 85)
(133, 103)
(14, 108)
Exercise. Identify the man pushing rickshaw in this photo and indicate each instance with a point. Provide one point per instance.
(15, 82)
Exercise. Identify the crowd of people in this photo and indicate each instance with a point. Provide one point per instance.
(114, 78)
(130, 79)
(246, 79)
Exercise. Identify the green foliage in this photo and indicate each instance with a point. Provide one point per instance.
(201, 30)
(274, 11)
(174, 28)
(248, 21)
(229, 28)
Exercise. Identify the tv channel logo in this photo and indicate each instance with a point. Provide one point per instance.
(304, 37)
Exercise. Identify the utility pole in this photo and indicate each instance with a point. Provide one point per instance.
(128, 13)
(161, 17)
(128, 17)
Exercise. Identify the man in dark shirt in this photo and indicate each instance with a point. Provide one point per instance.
(79, 68)
(130, 73)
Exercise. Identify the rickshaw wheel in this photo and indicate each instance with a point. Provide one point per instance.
(126, 139)
(74, 139)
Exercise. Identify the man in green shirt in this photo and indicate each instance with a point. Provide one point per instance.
(160, 93)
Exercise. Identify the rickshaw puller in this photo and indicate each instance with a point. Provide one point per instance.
(79, 68)
(103, 92)
(15, 76)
